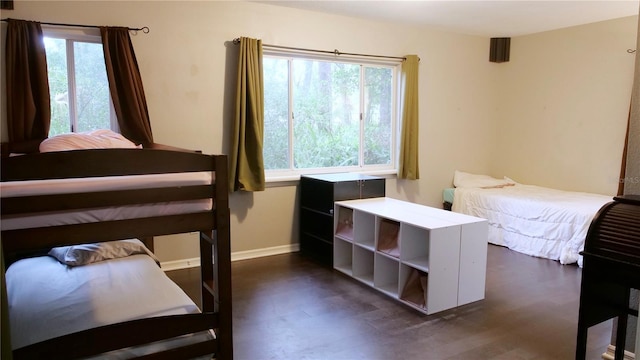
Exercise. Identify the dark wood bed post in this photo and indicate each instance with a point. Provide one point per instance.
(216, 285)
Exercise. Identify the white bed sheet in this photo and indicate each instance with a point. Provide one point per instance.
(48, 299)
(534, 220)
(79, 185)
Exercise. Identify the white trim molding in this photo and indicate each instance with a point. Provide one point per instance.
(611, 351)
(275, 250)
(180, 264)
(235, 256)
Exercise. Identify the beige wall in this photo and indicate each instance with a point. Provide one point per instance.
(471, 109)
(564, 104)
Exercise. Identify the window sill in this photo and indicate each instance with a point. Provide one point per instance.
(293, 180)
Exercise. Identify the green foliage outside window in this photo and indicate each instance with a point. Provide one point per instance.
(327, 102)
(91, 101)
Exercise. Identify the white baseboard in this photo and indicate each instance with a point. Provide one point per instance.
(180, 264)
(611, 352)
(275, 250)
(235, 256)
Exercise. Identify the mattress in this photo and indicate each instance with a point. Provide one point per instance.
(80, 185)
(42, 290)
(534, 220)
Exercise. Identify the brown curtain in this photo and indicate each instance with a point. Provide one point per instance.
(246, 161)
(28, 102)
(125, 84)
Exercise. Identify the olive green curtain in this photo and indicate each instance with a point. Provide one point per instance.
(246, 162)
(27, 82)
(125, 85)
(408, 166)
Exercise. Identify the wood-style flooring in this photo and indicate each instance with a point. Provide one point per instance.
(289, 307)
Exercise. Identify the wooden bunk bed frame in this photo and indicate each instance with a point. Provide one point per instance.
(213, 226)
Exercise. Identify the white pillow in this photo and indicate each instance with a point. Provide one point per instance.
(84, 254)
(510, 181)
(98, 139)
(468, 180)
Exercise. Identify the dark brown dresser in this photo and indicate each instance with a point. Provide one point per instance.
(317, 195)
(610, 270)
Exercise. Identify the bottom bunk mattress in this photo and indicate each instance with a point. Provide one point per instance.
(533, 220)
(48, 299)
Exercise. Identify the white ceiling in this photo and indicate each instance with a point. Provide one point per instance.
(504, 18)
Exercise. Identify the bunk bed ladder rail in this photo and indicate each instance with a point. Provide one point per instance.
(216, 274)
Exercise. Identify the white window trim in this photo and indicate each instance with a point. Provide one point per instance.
(288, 175)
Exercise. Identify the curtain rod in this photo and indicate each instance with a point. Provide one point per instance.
(144, 29)
(334, 52)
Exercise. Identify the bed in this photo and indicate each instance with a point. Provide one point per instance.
(77, 241)
(533, 220)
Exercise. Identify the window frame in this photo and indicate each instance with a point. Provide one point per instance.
(72, 35)
(277, 175)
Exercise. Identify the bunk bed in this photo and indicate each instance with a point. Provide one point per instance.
(529, 219)
(67, 202)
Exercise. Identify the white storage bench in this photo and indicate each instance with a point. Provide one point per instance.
(428, 258)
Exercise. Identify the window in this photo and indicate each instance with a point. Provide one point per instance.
(78, 84)
(325, 114)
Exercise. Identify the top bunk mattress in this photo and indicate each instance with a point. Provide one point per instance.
(10, 189)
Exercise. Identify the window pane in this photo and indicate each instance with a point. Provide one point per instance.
(276, 113)
(92, 87)
(377, 115)
(58, 85)
(326, 114)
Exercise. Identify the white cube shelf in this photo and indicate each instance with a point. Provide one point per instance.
(430, 259)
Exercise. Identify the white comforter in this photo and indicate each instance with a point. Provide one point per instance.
(534, 220)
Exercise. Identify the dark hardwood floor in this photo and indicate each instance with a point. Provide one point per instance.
(289, 307)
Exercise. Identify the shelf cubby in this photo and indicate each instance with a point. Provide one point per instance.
(365, 234)
(385, 274)
(415, 247)
(363, 260)
(414, 287)
(343, 256)
(388, 233)
(344, 223)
